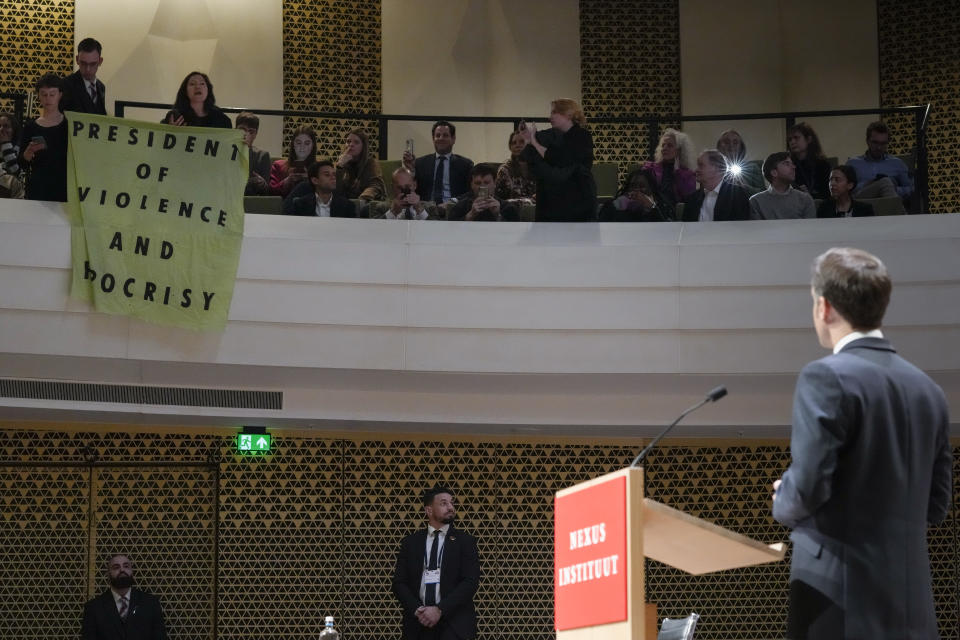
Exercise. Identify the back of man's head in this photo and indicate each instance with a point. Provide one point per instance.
(855, 283)
(771, 163)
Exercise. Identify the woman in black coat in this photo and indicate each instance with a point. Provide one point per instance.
(195, 105)
(561, 159)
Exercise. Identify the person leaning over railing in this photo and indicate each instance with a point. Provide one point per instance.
(287, 172)
(358, 171)
(44, 144)
(673, 166)
(514, 181)
(195, 104)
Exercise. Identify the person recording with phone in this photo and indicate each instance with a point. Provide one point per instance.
(44, 144)
(406, 203)
(481, 204)
(561, 159)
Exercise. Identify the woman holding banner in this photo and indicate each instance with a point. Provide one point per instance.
(196, 106)
(44, 144)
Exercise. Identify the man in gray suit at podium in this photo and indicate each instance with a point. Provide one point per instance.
(870, 469)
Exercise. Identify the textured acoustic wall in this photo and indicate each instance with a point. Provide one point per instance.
(313, 528)
(331, 62)
(629, 66)
(918, 64)
(36, 38)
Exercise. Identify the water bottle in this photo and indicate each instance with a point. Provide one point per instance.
(329, 633)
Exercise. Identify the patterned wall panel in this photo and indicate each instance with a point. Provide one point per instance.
(918, 64)
(36, 38)
(43, 551)
(313, 528)
(281, 526)
(331, 62)
(163, 520)
(629, 66)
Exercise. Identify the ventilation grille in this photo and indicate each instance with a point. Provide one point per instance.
(134, 394)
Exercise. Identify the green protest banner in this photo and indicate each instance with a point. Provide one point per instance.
(156, 213)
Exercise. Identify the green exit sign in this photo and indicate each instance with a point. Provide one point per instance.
(259, 442)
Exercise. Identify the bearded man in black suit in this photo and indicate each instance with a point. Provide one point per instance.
(437, 573)
(122, 612)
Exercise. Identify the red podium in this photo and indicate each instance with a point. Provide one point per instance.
(603, 528)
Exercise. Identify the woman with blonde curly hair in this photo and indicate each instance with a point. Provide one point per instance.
(673, 166)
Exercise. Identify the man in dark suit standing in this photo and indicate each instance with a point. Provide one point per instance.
(441, 175)
(717, 199)
(321, 201)
(870, 469)
(437, 573)
(81, 90)
(122, 612)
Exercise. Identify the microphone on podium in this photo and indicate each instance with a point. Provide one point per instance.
(714, 395)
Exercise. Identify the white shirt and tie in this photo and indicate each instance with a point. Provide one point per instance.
(709, 203)
(92, 90)
(122, 602)
(426, 555)
(323, 208)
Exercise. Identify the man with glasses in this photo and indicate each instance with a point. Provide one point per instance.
(880, 175)
(83, 92)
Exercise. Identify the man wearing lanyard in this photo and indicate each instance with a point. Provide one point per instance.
(437, 574)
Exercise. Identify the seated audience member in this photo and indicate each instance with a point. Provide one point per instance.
(481, 203)
(10, 186)
(323, 201)
(195, 105)
(358, 172)
(637, 201)
(781, 201)
(717, 199)
(514, 182)
(673, 167)
(812, 169)
(287, 172)
(843, 180)
(82, 91)
(249, 125)
(406, 203)
(740, 171)
(880, 175)
(442, 175)
(10, 143)
(44, 144)
(561, 159)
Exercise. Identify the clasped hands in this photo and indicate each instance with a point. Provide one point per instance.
(429, 616)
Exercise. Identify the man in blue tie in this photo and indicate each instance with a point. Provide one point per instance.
(437, 574)
(441, 175)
